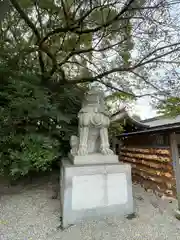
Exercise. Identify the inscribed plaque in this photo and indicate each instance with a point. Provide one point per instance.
(117, 188)
(87, 192)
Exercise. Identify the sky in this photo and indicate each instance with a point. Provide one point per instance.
(144, 109)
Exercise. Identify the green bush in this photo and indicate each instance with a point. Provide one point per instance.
(33, 152)
(35, 123)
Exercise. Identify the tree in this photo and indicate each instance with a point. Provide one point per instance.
(50, 52)
(35, 125)
(169, 105)
(4, 8)
(68, 40)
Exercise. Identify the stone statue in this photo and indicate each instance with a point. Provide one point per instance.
(93, 126)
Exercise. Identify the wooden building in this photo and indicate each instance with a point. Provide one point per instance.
(152, 148)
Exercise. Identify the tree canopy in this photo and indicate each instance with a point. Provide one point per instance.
(113, 42)
(51, 50)
(36, 124)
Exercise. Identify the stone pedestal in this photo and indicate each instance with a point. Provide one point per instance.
(93, 158)
(95, 190)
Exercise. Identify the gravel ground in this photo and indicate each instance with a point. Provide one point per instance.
(31, 214)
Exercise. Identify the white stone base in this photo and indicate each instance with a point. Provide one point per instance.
(95, 190)
(94, 158)
(92, 191)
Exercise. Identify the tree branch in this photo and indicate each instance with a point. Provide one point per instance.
(34, 29)
(86, 50)
(41, 46)
(99, 76)
(157, 57)
(159, 49)
(26, 18)
(149, 83)
(116, 89)
(81, 19)
(41, 62)
(168, 62)
(153, 95)
(122, 69)
(39, 16)
(75, 27)
(64, 11)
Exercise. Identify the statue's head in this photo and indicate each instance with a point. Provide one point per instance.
(94, 95)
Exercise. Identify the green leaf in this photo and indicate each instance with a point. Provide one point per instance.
(170, 107)
(126, 57)
(86, 40)
(119, 96)
(48, 5)
(25, 3)
(103, 15)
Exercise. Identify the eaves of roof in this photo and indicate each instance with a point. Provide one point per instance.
(123, 114)
(170, 127)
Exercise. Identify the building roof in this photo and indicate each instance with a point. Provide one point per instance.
(156, 124)
(151, 122)
(170, 127)
(162, 121)
(123, 114)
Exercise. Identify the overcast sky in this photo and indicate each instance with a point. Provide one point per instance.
(144, 109)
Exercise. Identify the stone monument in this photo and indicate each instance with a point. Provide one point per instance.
(93, 182)
(92, 145)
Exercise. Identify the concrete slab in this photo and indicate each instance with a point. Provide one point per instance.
(94, 158)
(95, 191)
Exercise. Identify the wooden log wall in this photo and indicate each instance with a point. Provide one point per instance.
(152, 168)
